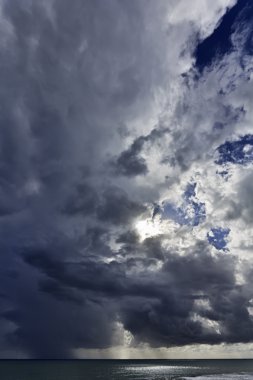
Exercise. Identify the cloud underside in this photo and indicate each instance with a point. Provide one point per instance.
(126, 152)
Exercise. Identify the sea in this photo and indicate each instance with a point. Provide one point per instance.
(126, 369)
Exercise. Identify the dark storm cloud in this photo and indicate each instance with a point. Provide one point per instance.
(89, 275)
(58, 84)
(70, 75)
(50, 316)
(168, 319)
(66, 324)
(159, 306)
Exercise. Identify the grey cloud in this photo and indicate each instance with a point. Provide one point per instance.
(116, 208)
(130, 162)
(83, 200)
(54, 289)
(67, 327)
(168, 319)
(240, 207)
(245, 199)
(128, 237)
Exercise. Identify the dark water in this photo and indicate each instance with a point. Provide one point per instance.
(126, 369)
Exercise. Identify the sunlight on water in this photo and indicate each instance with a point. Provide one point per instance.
(157, 369)
(222, 377)
(127, 370)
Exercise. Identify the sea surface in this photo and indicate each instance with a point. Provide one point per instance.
(126, 369)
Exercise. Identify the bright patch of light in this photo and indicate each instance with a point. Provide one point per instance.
(207, 324)
(149, 228)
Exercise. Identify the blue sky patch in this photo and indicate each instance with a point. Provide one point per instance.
(190, 191)
(218, 238)
(219, 42)
(236, 152)
(191, 212)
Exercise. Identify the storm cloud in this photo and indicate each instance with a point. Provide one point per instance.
(125, 175)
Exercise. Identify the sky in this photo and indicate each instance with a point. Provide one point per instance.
(126, 182)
